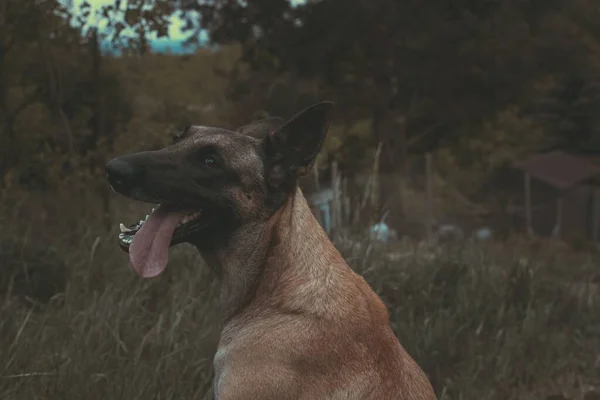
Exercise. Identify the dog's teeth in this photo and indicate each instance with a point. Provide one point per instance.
(124, 229)
(189, 218)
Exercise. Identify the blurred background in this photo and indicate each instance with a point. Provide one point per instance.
(459, 177)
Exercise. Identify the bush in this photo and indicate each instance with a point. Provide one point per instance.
(30, 272)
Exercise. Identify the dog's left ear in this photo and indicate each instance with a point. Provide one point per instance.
(259, 129)
(292, 148)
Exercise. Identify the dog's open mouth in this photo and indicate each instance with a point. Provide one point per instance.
(148, 240)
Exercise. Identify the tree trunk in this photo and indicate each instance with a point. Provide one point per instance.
(403, 176)
(98, 128)
(388, 166)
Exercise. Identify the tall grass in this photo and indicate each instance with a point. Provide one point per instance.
(485, 321)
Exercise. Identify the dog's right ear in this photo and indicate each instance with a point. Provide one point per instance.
(292, 148)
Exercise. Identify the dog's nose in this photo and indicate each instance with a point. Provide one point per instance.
(123, 175)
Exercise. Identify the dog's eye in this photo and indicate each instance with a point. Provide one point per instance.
(209, 161)
(209, 157)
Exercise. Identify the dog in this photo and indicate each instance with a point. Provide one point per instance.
(298, 323)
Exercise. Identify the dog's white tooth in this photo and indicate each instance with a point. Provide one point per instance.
(124, 229)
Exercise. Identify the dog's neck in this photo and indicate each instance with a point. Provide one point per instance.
(261, 257)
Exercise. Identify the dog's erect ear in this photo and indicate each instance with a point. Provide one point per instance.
(259, 129)
(292, 148)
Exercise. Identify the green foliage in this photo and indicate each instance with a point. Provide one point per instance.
(568, 112)
(508, 137)
(56, 105)
(127, 24)
(489, 84)
(426, 77)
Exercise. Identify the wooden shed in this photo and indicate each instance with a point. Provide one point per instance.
(561, 195)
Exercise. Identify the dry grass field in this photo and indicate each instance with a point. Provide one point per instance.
(516, 320)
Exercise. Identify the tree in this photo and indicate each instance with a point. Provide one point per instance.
(49, 91)
(425, 76)
(127, 24)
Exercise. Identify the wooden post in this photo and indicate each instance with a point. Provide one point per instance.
(594, 214)
(338, 202)
(316, 209)
(376, 189)
(345, 201)
(334, 202)
(429, 183)
(559, 209)
(316, 174)
(528, 203)
(327, 216)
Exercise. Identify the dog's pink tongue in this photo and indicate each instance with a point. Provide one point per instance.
(149, 251)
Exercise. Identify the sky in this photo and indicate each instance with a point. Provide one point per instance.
(176, 37)
(174, 42)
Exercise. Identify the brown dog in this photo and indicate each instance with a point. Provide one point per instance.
(298, 322)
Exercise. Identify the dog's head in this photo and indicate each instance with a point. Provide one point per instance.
(211, 181)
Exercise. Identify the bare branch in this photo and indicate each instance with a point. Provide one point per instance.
(54, 86)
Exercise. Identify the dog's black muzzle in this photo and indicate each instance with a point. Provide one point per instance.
(123, 175)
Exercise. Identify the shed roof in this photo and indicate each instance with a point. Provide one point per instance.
(559, 169)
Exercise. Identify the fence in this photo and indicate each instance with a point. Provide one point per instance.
(422, 205)
(349, 204)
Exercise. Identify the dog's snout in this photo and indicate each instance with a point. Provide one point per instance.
(123, 175)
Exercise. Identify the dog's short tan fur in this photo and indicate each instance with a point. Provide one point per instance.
(311, 327)
(298, 322)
